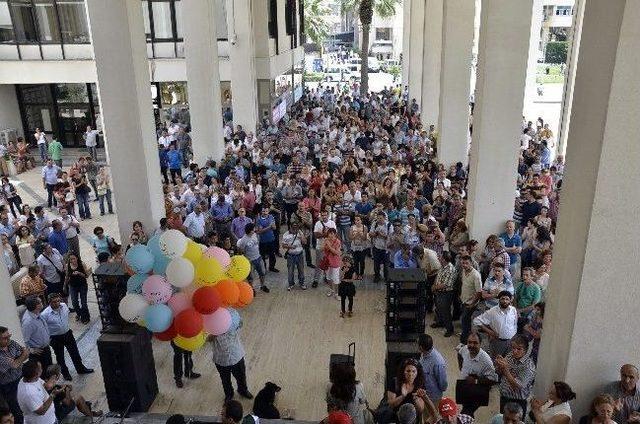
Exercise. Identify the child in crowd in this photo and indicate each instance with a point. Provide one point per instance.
(346, 288)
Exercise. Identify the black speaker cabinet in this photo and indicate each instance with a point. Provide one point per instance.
(110, 283)
(128, 370)
(398, 352)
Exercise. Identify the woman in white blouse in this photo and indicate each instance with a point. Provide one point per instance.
(556, 409)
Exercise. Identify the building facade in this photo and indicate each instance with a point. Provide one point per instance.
(48, 70)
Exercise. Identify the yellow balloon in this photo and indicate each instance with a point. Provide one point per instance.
(193, 252)
(239, 268)
(191, 343)
(208, 272)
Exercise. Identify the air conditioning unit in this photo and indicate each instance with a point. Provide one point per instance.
(7, 135)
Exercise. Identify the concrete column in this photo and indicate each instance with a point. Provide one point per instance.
(570, 79)
(203, 79)
(594, 289)
(416, 30)
(530, 90)
(502, 71)
(431, 61)
(8, 311)
(406, 40)
(127, 112)
(455, 80)
(242, 57)
(9, 109)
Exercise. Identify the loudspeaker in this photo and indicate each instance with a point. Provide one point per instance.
(110, 283)
(398, 352)
(128, 370)
(340, 358)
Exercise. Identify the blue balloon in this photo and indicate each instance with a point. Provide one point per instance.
(139, 259)
(160, 265)
(154, 246)
(235, 319)
(158, 317)
(134, 284)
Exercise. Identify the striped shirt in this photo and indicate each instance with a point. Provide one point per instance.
(447, 277)
(523, 371)
(8, 374)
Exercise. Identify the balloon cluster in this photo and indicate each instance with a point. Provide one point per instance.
(182, 291)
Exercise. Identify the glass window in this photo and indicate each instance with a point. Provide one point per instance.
(35, 94)
(6, 28)
(73, 21)
(178, 8)
(23, 22)
(47, 21)
(145, 18)
(162, 20)
(72, 93)
(221, 20)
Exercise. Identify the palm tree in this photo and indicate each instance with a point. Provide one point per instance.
(315, 21)
(365, 8)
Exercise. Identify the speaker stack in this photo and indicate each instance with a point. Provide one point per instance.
(405, 321)
(125, 351)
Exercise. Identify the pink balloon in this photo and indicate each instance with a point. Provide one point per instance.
(179, 302)
(156, 289)
(218, 322)
(221, 255)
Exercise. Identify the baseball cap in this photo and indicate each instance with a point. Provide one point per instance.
(339, 417)
(447, 408)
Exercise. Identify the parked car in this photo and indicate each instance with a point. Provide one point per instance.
(374, 64)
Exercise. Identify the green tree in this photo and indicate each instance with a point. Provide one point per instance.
(315, 21)
(365, 10)
(556, 52)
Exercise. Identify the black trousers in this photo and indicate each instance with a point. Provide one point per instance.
(430, 300)
(358, 259)
(9, 392)
(307, 253)
(51, 199)
(58, 343)
(443, 302)
(175, 172)
(342, 303)
(181, 356)
(268, 250)
(44, 357)
(239, 372)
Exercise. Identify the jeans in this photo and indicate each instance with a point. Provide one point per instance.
(9, 392)
(466, 320)
(179, 356)
(343, 234)
(307, 253)
(93, 152)
(175, 172)
(58, 343)
(318, 273)
(268, 249)
(239, 372)
(102, 198)
(14, 204)
(379, 260)
(94, 186)
(258, 267)
(358, 261)
(83, 205)
(51, 199)
(293, 262)
(78, 297)
(444, 300)
(43, 151)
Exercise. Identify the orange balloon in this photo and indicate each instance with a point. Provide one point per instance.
(246, 294)
(228, 291)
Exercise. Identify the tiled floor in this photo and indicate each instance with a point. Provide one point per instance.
(288, 337)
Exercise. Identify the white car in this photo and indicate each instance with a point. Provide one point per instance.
(374, 64)
(336, 73)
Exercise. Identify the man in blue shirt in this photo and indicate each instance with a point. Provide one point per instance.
(56, 316)
(265, 226)
(434, 368)
(222, 214)
(58, 238)
(174, 157)
(35, 332)
(513, 246)
(403, 258)
(49, 181)
(364, 207)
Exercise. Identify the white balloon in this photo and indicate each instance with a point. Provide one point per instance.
(132, 307)
(173, 243)
(180, 272)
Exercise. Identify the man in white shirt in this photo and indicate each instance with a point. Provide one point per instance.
(320, 233)
(194, 224)
(91, 142)
(71, 227)
(165, 139)
(470, 294)
(476, 369)
(500, 324)
(36, 404)
(41, 140)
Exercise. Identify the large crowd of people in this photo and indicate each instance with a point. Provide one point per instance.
(350, 187)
